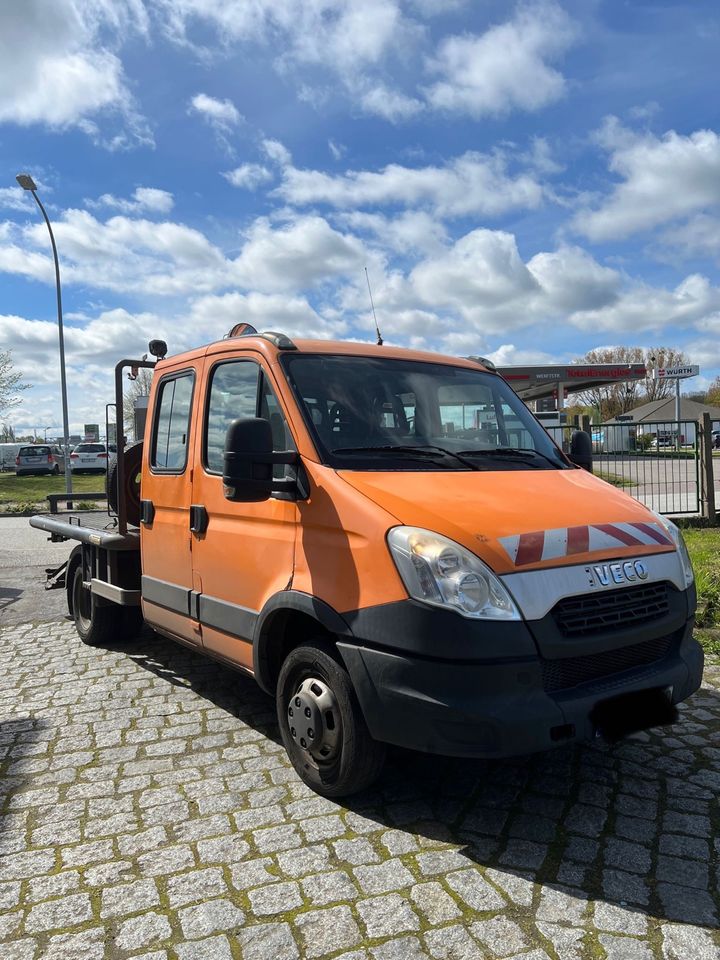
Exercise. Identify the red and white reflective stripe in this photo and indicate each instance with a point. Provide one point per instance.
(540, 545)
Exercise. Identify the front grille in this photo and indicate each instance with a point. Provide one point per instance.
(596, 613)
(572, 671)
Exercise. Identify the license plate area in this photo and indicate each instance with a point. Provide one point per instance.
(618, 717)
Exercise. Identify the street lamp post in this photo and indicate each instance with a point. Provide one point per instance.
(27, 183)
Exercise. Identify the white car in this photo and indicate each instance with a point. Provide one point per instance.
(92, 457)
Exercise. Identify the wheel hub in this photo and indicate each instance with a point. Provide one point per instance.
(313, 719)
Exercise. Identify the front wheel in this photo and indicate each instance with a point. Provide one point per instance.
(321, 724)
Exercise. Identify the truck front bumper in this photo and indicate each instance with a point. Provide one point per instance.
(500, 707)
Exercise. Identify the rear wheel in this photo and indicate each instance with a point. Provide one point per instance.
(98, 624)
(56, 469)
(321, 723)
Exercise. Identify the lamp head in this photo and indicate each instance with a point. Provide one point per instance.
(26, 181)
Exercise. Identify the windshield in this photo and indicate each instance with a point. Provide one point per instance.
(368, 413)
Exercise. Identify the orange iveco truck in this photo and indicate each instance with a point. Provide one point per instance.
(393, 547)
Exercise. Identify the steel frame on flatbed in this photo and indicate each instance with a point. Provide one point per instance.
(109, 567)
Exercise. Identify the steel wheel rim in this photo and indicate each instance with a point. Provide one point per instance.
(313, 720)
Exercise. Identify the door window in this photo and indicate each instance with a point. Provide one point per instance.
(172, 424)
(233, 395)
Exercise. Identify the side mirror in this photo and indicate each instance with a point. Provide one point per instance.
(581, 450)
(249, 461)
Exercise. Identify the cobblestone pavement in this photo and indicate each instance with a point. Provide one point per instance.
(149, 811)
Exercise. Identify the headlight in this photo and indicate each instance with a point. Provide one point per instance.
(677, 538)
(440, 572)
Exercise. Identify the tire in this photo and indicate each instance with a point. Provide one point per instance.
(98, 625)
(131, 486)
(56, 470)
(344, 758)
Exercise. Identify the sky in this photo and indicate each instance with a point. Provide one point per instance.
(526, 181)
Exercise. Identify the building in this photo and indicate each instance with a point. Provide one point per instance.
(657, 420)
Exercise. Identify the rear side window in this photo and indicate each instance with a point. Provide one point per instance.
(90, 448)
(172, 424)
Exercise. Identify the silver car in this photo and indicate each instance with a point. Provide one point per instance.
(89, 456)
(39, 458)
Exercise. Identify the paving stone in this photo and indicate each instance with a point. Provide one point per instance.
(129, 898)
(440, 861)
(500, 935)
(142, 931)
(473, 890)
(24, 949)
(567, 942)
(684, 846)
(686, 904)
(625, 855)
(619, 887)
(383, 877)
(680, 942)
(212, 948)
(452, 943)
(273, 839)
(403, 948)
(165, 861)
(687, 873)
(388, 915)
(523, 853)
(434, 902)
(275, 898)
(616, 919)
(54, 914)
(355, 852)
(268, 940)
(88, 945)
(327, 931)
(194, 886)
(298, 863)
(519, 889)
(623, 948)
(326, 888)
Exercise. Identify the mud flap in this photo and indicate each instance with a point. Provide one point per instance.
(620, 716)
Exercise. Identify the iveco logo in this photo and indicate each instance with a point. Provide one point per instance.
(606, 574)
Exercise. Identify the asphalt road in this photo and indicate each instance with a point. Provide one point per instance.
(24, 555)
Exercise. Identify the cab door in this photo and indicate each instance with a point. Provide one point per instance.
(166, 491)
(242, 552)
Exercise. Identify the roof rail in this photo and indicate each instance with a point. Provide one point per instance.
(280, 340)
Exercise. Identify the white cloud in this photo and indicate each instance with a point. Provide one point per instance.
(277, 152)
(55, 69)
(411, 231)
(14, 198)
(391, 105)
(212, 316)
(336, 149)
(506, 67)
(296, 255)
(144, 199)
(700, 235)
(472, 183)
(572, 280)
(248, 176)
(663, 179)
(221, 114)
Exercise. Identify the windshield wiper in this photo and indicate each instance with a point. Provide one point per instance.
(510, 453)
(421, 450)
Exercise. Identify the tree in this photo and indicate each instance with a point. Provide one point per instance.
(139, 387)
(10, 383)
(622, 396)
(713, 394)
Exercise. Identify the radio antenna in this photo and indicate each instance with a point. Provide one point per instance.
(377, 328)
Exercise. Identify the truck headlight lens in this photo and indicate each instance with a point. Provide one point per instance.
(440, 572)
(674, 532)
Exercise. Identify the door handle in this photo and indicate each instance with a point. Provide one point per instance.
(147, 512)
(198, 518)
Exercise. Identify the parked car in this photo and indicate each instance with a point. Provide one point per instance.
(716, 439)
(90, 457)
(39, 458)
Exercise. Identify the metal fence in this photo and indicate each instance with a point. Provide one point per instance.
(657, 463)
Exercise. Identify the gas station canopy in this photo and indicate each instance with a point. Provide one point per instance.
(536, 383)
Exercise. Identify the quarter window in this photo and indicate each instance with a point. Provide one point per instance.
(172, 425)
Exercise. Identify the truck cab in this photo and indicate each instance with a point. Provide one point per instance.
(398, 553)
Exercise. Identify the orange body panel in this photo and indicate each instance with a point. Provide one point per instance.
(477, 509)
